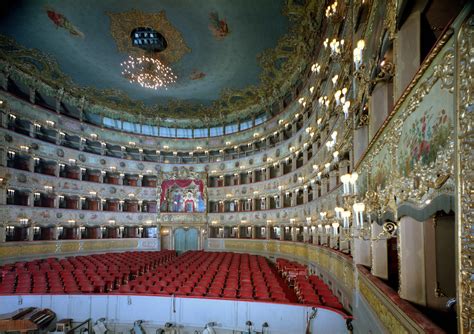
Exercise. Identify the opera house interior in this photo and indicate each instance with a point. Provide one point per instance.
(270, 166)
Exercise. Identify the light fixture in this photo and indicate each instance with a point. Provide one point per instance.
(331, 10)
(345, 109)
(359, 214)
(316, 68)
(148, 72)
(357, 54)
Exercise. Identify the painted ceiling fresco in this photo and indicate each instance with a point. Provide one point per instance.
(220, 50)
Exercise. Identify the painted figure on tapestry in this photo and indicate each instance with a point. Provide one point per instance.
(189, 203)
(182, 196)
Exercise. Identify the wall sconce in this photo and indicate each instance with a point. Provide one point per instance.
(359, 214)
(327, 167)
(345, 109)
(349, 183)
(345, 218)
(316, 68)
(323, 215)
(357, 54)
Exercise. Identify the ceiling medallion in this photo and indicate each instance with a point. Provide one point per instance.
(122, 24)
(148, 71)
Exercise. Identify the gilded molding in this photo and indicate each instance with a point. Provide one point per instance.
(295, 49)
(384, 314)
(465, 176)
(24, 249)
(419, 74)
(121, 24)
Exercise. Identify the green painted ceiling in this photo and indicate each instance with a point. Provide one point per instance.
(94, 59)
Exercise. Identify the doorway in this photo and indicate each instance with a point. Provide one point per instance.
(186, 239)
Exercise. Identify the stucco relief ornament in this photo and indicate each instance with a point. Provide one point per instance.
(122, 24)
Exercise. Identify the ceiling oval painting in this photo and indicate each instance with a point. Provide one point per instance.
(217, 51)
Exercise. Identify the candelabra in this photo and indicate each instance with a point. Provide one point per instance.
(361, 227)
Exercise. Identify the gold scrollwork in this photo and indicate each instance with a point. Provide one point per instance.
(465, 177)
(121, 25)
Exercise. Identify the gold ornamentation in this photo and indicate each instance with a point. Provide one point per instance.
(122, 24)
(34, 68)
(465, 177)
(384, 314)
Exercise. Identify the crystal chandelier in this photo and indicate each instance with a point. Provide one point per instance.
(148, 72)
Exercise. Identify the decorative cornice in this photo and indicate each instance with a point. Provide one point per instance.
(34, 68)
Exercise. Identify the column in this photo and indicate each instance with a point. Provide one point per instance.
(3, 233)
(332, 179)
(31, 164)
(281, 168)
(315, 148)
(305, 195)
(412, 261)
(293, 162)
(324, 186)
(3, 155)
(254, 232)
(305, 156)
(294, 195)
(293, 234)
(379, 254)
(282, 232)
(55, 233)
(305, 234)
(30, 233)
(362, 252)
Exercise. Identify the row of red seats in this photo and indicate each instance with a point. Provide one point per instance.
(80, 274)
(218, 275)
(195, 273)
(309, 289)
(290, 269)
(312, 290)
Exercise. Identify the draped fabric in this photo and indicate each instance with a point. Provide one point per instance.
(165, 185)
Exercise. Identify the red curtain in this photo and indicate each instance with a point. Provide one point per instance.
(182, 184)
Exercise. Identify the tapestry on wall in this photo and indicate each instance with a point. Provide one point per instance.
(182, 196)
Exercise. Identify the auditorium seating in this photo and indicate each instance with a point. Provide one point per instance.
(217, 275)
(195, 274)
(309, 289)
(79, 274)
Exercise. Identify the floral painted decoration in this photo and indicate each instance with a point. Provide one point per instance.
(218, 27)
(61, 21)
(422, 141)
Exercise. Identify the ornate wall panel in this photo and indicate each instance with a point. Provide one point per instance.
(465, 175)
(18, 250)
(410, 158)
